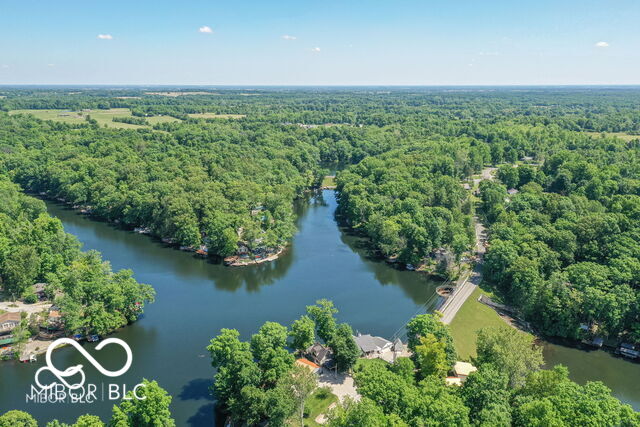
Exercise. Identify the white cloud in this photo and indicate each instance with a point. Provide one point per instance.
(205, 29)
(5, 66)
(288, 37)
(105, 36)
(51, 65)
(315, 49)
(602, 44)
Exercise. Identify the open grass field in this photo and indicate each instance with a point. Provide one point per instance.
(103, 117)
(317, 404)
(472, 317)
(216, 116)
(621, 135)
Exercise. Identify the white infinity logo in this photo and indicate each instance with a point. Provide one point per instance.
(78, 368)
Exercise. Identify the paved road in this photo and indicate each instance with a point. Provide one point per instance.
(467, 284)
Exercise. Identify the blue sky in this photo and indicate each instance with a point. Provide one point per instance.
(392, 42)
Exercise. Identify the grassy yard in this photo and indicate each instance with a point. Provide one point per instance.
(472, 317)
(216, 116)
(317, 404)
(103, 117)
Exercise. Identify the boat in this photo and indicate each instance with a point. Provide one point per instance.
(93, 338)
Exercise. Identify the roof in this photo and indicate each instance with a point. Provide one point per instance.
(318, 351)
(10, 316)
(307, 364)
(369, 343)
(464, 368)
(398, 346)
(39, 287)
(512, 191)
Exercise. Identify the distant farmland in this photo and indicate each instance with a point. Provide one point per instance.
(103, 117)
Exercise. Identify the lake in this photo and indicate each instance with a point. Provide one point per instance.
(196, 298)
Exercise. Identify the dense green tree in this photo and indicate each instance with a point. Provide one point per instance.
(514, 352)
(151, 410)
(302, 333)
(430, 357)
(17, 419)
(323, 315)
(425, 324)
(344, 347)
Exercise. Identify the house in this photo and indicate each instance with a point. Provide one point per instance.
(463, 369)
(319, 354)
(512, 191)
(38, 289)
(313, 367)
(55, 317)
(8, 322)
(370, 345)
(398, 346)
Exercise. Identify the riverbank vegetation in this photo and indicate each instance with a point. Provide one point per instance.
(220, 169)
(88, 297)
(508, 389)
(257, 381)
(565, 249)
(151, 410)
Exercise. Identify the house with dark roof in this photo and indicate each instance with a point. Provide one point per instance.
(371, 345)
(319, 354)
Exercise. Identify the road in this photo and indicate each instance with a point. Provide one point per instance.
(467, 284)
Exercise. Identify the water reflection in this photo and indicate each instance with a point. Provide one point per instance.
(196, 298)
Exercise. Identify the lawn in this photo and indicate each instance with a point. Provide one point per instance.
(216, 116)
(472, 317)
(317, 404)
(103, 117)
(329, 181)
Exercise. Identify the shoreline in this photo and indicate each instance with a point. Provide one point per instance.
(167, 242)
(235, 261)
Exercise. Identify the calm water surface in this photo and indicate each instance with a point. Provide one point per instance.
(196, 298)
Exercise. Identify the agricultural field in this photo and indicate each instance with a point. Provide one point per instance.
(216, 116)
(103, 117)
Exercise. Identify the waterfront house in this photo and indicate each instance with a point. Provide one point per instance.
(55, 318)
(371, 346)
(8, 322)
(463, 369)
(319, 354)
(313, 367)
